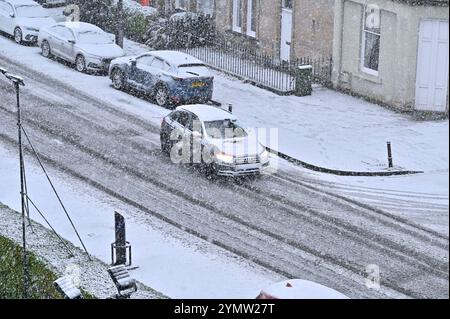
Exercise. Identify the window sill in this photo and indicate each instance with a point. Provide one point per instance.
(242, 35)
(368, 77)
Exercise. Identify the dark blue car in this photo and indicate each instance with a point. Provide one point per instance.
(170, 77)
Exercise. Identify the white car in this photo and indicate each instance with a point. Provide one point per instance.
(23, 19)
(299, 289)
(211, 136)
(86, 45)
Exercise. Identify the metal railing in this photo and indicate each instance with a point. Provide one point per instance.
(257, 68)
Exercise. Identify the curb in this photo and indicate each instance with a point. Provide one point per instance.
(335, 171)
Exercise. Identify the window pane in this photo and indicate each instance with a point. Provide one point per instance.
(371, 51)
(253, 17)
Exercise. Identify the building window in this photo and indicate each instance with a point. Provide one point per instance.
(370, 55)
(237, 17)
(251, 18)
(287, 4)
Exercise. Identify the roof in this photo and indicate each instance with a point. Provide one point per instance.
(80, 26)
(207, 112)
(176, 58)
(301, 289)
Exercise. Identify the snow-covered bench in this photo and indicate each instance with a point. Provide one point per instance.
(66, 287)
(122, 280)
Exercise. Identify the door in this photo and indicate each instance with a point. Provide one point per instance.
(432, 66)
(55, 40)
(138, 71)
(68, 49)
(6, 21)
(286, 34)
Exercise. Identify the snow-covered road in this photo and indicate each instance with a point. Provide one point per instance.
(278, 221)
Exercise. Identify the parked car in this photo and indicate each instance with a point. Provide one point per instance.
(87, 46)
(23, 19)
(169, 77)
(214, 139)
(299, 289)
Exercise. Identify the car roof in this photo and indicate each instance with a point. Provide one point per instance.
(22, 2)
(207, 113)
(301, 289)
(176, 58)
(79, 26)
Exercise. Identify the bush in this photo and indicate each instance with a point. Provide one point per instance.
(183, 29)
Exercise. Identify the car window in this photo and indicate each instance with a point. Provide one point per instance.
(194, 124)
(94, 37)
(67, 34)
(6, 8)
(31, 11)
(224, 129)
(158, 64)
(182, 118)
(145, 60)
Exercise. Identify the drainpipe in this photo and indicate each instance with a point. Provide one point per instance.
(337, 40)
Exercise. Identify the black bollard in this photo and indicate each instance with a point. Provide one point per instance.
(389, 149)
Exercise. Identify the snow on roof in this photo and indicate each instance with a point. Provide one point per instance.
(176, 58)
(80, 26)
(207, 112)
(301, 289)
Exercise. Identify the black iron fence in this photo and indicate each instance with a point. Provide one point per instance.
(257, 68)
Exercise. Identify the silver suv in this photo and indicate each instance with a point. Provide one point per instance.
(212, 137)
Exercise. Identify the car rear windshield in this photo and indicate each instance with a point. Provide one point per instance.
(31, 11)
(224, 129)
(94, 37)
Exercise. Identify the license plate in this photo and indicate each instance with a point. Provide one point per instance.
(198, 84)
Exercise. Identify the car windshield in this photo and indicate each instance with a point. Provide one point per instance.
(224, 129)
(31, 11)
(94, 37)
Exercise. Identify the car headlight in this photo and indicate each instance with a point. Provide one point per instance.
(225, 158)
(264, 156)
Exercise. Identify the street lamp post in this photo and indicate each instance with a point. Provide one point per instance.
(18, 82)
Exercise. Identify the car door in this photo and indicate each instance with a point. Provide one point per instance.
(6, 19)
(180, 135)
(55, 40)
(68, 44)
(138, 70)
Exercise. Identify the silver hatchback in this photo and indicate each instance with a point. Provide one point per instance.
(86, 45)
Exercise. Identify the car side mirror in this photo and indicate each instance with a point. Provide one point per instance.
(12, 15)
(71, 41)
(133, 62)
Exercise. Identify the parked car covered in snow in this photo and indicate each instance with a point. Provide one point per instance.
(23, 19)
(299, 289)
(51, 2)
(170, 77)
(212, 137)
(86, 45)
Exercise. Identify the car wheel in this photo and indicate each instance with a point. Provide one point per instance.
(162, 96)
(80, 63)
(45, 47)
(18, 35)
(118, 79)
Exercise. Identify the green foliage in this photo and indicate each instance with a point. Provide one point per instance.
(11, 274)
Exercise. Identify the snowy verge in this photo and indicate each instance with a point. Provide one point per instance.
(46, 246)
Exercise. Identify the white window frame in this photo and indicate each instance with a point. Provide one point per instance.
(237, 16)
(363, 45)
(250, 13)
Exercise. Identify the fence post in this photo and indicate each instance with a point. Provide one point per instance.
(303, 80)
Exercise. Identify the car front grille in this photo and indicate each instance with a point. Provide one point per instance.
(247, 160)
